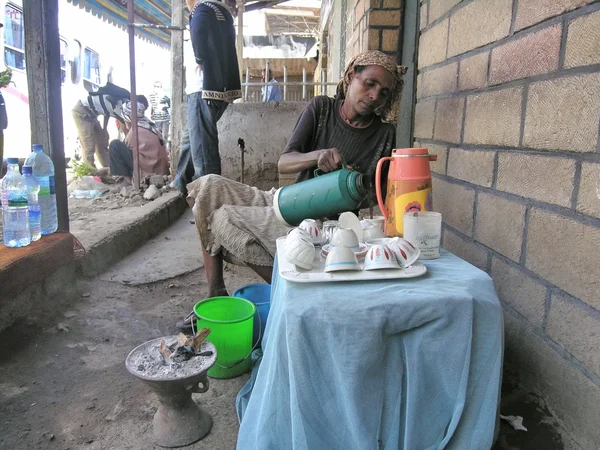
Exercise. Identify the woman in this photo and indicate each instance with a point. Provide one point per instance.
(237, 223)
(151, 146)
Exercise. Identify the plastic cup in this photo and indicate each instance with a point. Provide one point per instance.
(424, 230)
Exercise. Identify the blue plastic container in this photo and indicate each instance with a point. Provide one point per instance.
(260, 295)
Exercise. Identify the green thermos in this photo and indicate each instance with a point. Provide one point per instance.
(319, 197)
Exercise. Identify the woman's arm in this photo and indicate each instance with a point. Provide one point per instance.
(327, 160)
(299, 153)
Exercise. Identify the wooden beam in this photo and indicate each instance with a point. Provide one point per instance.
(42, 53)
(178, 99)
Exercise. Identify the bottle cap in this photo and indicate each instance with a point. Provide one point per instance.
(12, 160)
(27, 170)
(37, 147)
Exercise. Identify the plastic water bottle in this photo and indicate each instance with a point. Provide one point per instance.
(33, 205)
(43, 171)
(15, 217)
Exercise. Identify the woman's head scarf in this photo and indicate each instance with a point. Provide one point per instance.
(389, 110)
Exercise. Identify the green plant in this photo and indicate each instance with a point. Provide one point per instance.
(83, 168)
(5, 77)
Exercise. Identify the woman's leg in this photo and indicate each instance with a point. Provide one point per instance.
(213, 267)
(265, 272)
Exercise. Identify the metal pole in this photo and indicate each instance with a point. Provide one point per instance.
(284, 83)
(247, 81)
(134, 127)
(266, 80)
(304, 83)
(240, 34)
(323, 75)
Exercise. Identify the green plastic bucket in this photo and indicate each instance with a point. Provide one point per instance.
(230, 320)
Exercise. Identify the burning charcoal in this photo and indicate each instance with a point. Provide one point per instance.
(208, 353)
(183, 353)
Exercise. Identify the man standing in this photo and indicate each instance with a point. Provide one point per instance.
(193, 85)
(159, 110)
(213, 40)
(106, 101)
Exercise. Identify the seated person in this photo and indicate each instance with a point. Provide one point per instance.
(271, 92)
(153, 154)
(237, 223)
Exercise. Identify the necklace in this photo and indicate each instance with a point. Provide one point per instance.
(345, 119)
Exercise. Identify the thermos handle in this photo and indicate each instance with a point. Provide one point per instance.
(378, 185)
(318, 172)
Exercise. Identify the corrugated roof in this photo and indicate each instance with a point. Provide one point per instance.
(155, 12)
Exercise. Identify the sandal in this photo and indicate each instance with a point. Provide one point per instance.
(187, 322)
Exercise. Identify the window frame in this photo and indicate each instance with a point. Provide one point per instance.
(89, 80)
(65, 58)
(76, 63)
(12, 47)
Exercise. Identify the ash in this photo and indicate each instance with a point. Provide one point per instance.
(149, 363)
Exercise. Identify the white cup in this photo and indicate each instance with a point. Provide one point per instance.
(345, 237)
(380, 256)
(424, 230)
(312, 228)
(341, 258)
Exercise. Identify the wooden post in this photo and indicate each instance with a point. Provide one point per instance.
(177, 83)
(42, 53)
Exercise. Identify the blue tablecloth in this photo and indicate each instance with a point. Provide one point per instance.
(400, 364)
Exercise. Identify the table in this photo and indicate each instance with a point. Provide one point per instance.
(401, 364)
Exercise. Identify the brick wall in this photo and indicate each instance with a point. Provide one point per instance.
(508, 97)
(364, 25)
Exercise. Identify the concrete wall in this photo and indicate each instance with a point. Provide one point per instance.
(509, 99)
(265, 128)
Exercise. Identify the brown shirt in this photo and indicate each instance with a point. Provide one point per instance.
(320, 126)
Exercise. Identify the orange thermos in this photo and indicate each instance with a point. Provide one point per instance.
(408, 186)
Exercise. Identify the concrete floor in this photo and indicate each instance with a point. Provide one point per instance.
(63, 383)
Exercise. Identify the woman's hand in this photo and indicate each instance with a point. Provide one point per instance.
(330, 159)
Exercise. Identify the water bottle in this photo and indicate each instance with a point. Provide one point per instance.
(322, 196)
(15, 217)
(33, 205)
(43, 171)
